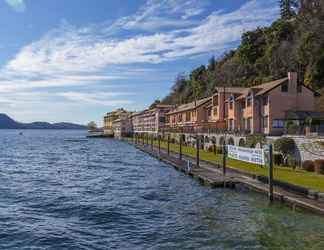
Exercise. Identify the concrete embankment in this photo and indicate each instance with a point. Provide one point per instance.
(211, 175)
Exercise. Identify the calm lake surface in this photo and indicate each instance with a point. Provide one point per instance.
(59, 190)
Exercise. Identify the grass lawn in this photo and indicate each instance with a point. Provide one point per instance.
(297, 177)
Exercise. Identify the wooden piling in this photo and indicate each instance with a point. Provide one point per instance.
(180, 148)
(197, 151)
(168, 144)
(224, 157)
(270, 173)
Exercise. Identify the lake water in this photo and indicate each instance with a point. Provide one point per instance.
(59, 190)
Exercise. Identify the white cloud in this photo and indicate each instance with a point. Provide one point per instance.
(17, 5)
(71, 50)
(105, 99)
(165, 30)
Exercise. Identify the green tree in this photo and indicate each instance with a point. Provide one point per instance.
(285, 146)
(288, 8)
(154, 104)
(92, 125)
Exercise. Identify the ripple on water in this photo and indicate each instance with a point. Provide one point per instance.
(61, 191)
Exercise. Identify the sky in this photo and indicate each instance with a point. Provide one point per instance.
(75, 60)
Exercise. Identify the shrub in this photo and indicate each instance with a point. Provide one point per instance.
(277, 159)
(319, 166)
(308, 166)
(210, 149)
(252, 140)
(291, 161)
(286, 146)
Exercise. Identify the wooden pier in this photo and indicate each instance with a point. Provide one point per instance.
(212, 176)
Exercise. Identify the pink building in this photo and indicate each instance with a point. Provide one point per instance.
(150, 121)
(262, 108)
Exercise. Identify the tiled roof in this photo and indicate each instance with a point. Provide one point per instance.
(190, 106)
(262, 88)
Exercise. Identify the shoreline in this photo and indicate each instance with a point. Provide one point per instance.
(210, 174)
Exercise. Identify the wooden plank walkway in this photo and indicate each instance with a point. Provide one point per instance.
(208, 174)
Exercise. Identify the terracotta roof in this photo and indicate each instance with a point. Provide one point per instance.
(190, 106)
(263, 88)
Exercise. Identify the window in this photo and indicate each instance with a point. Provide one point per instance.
(215, 111)
(284, 87)
(162, 119)
(277, 123)
(231, 124)
(180, 118)
(248, 123)
(265, 121)
(209, 112)
(231, 102)
(265, 100)
(188, 117)
(215, 100)
(249, 100)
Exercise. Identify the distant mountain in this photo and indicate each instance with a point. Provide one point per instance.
(7, 122)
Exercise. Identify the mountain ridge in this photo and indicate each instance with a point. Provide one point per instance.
(6, 122)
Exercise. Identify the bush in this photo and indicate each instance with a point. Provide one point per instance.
(286, 146)
(252, 140)
(291, 161)
(319, 166)
(277, 159)
(308, 166)
(210, 149)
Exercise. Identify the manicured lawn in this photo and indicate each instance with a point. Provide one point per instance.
(297, 177)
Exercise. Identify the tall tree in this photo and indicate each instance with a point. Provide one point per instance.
(288, 8)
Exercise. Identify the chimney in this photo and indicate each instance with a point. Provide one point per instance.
(293, 82)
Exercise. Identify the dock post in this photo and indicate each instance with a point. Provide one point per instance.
(159, 139)
(197, 151)
(143, 139)
(270, 173)
(168, 144)
(180, 148)
(224, 157)
(147, 139)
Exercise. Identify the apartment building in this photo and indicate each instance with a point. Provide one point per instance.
(190, 117)
(122, 126)
(262, 108)
(150, 121)
(110, 117)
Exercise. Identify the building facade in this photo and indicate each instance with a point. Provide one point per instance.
(260, 109)
(110, 117)
(263, 108)
(191, 117)
(122, 127)
(150, 121)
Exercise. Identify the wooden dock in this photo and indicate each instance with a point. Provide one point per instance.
(211, 175)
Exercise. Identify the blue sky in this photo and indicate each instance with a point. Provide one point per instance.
(74, 60)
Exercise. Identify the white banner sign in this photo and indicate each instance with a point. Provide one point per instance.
(252, 155)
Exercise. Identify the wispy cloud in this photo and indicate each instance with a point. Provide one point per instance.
(71, 50)
(160, 31)
(17, 5)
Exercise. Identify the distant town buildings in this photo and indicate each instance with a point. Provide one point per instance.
(110, 117)
(151, 121)
(268, 109)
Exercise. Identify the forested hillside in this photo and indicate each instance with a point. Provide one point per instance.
(295, 42)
